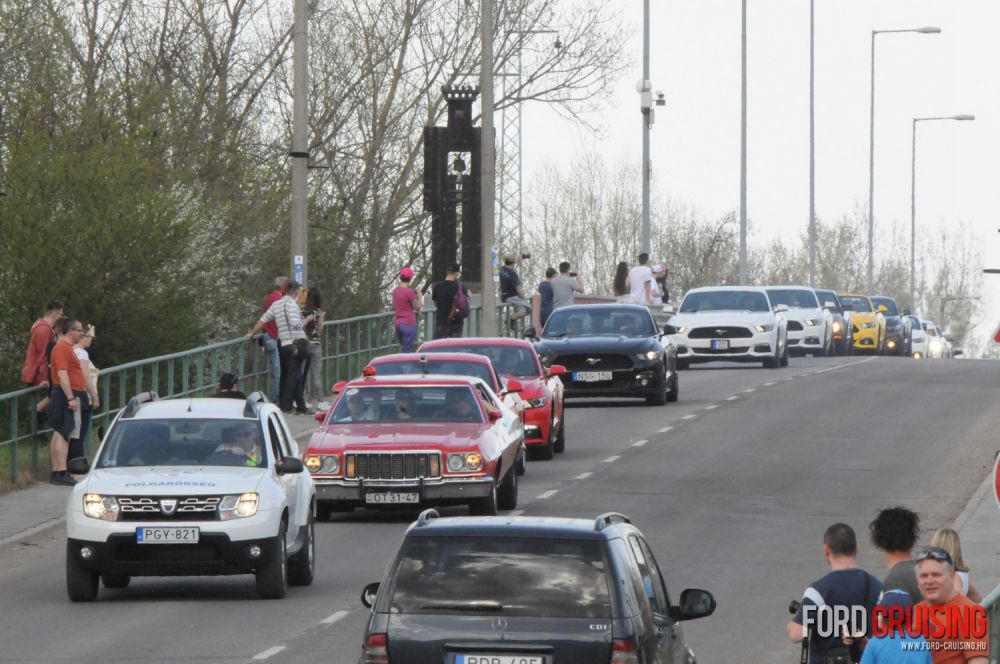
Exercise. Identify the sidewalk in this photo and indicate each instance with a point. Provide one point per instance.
(25, 512)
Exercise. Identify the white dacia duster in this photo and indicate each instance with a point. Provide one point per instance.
(192, 487)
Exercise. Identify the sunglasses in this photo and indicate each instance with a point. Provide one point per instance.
(934, 553)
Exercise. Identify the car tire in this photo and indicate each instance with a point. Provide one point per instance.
(81, 582)
(115, 581)
(683, 365)
(521, 465)
(783, 361)
(272, 578)
(507, 493)
(675, 388)
(660, 398)
(302, 566)
(559, 445)
(487, 505)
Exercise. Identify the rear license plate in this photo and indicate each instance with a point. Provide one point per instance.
(389, 498)
(499, 659)
(591, 376)
(167, 535)
(720, 344)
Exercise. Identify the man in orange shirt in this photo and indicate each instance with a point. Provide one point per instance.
(35, 370)
(955, 627)
(68, 387)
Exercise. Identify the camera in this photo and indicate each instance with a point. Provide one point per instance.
(525, 256)
(572, 274)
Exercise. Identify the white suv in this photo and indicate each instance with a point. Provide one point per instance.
(192, 487)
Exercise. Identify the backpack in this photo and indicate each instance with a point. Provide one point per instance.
(460, 305)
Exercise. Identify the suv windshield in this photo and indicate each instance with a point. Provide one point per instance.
(793, 298)
(858, 303)
(930, 329)
(511, 577)
(599, 322)
(729, 300)
(416, 405)
(450, 367)
(915, 323)
(184, 442)
(829, 296)
(508, 360)
(889, 303)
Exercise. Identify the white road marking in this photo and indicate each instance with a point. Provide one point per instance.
(849, 364)
(733, 398)
(712, 407)
(752, 389)
(515, 513)
(639, 443)
(689, 417)
(664, 429)
(768, 384)
(270, 652)
(334, 617)
(582, 476)
(612, 459)
(548, 494)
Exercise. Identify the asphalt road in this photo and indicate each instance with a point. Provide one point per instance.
(733, 486)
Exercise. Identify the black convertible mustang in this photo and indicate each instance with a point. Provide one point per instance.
(610, 350)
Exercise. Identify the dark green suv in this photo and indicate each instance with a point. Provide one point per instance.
(527, 590)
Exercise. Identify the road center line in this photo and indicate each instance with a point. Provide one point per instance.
(733, 398)
(612, 459)
(768, 384)
(515, 513)
(689, 417)
(752, 389)
(582, 476)
(711, 407)
(334, 617)
(849, 364)
(548, 494)
(270, 652)
(664, 429)
(639, 443)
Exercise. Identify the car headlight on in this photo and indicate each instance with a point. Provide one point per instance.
(238, 507)
(465, 461)
(322, 463)
(682, 329)
(313, 463)
(812, 322)
(837, 326)
(100, 507)
(767, 327)
(648, 355)
(536, 403)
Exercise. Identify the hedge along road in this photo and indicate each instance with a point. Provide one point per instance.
(733, 485)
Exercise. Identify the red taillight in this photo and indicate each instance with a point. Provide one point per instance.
(624, 651)
(376, 650)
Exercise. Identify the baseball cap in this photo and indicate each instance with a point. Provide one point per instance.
(406, 272)
(454, 268)
(895, 598)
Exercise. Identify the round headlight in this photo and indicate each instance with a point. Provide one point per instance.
(331, 463)
(455, 463)
(313, 463)
(473, 461)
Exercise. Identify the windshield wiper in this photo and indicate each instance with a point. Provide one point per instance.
(466, 606)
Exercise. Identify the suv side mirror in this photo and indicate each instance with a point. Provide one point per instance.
(530, 332)
(80, 465)
(695, 604)
(289, 466)
(369, 594)
(513, 386)
(669, 329)
(557, 370)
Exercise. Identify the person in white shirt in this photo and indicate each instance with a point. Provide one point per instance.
(294, 347)
(641, 281)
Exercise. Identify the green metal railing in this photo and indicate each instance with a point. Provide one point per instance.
(348, 345)
(992, 604)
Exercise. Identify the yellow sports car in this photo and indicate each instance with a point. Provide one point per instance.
(868, 323)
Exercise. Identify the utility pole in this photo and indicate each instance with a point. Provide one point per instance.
(743, 152)
(300, 148)
(647, 121)
(488, 169)
(812, 143)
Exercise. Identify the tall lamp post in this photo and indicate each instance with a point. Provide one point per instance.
(487, 169)
(743, 147)
(930, 30)
(913, 202)
(812, 144)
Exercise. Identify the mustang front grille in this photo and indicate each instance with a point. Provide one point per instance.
(794, 326)
(594, 362)
(721, 332)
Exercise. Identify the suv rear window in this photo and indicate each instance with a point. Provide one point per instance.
(512, 577)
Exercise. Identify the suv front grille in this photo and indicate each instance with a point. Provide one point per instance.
(601, 362)
(150, 508)
(392, 466)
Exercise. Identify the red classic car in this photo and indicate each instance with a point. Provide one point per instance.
(413, 441)
(541, 390)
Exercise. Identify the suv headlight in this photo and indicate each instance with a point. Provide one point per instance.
(648, 355)
(767, 327)
(238, 507)
(465, 461)
(536, 403)
(100, 507)
(322, 463)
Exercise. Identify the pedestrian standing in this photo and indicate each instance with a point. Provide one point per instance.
(450, 310)
(36, 360)
(92, 401)
(511, 290)
(269, 341)
(406, 302)
(293, 346)
(312, 370)
(660, 290)
(619, 285)
(543, 300)
(894, 531)
(68, 386)
(229, 387)
(948, 539)
(944, 604)
(640, 281)
(564, 286)
(895, 646)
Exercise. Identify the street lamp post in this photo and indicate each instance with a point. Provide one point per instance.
(812, 144)
(913, 202)
(930, 30)
(487, 169)
(743, 148)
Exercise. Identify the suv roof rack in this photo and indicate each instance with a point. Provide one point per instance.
(137, 401)
(253, 400)
(426, 516)
(609, 518)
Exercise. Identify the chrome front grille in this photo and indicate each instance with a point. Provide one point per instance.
(393, 465)
(150, 508)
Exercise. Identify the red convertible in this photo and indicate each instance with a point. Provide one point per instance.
(413, 441)
(541, 390)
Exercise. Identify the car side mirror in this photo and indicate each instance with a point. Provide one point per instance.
(338, 387)
(781, 308)
(530, 332)
(369, 594)
(557, 370)
(513, 386)
(695, 604)
(78, 466)
(907, 312)
(289, 466)
(669, 329)
(494, 415)
(320, 416)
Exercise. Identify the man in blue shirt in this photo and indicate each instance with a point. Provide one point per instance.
(897, 647)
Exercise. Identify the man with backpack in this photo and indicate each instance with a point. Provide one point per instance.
(451, 304)
(35, 371)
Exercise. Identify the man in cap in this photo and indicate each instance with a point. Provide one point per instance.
(405, 305)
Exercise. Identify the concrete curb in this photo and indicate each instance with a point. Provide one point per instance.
(974, 501)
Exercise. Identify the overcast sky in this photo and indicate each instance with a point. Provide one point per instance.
(695, 142)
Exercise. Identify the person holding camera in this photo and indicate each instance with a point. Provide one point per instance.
(511, 290)
(565, 286)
